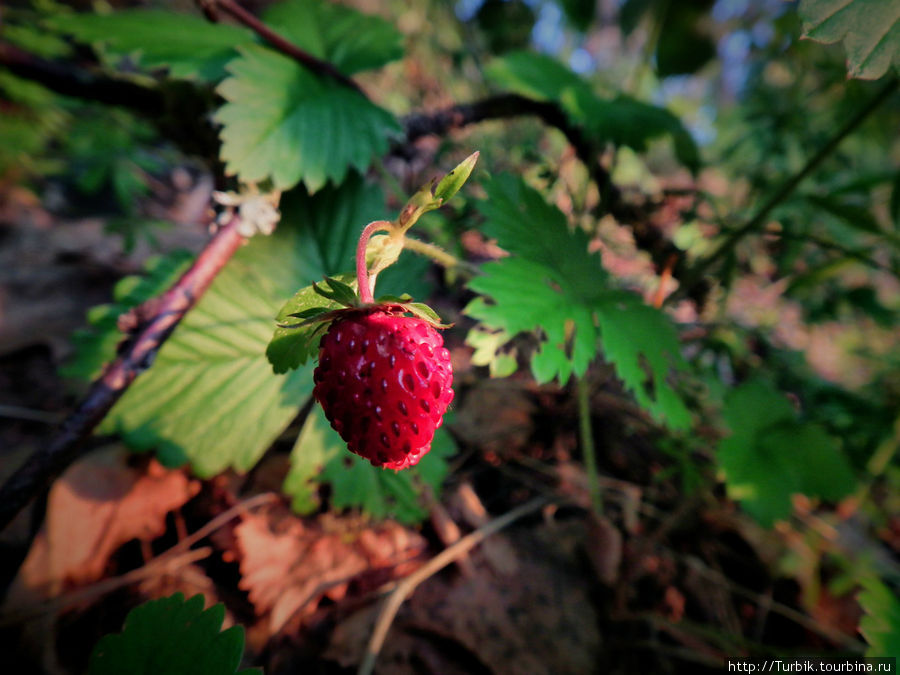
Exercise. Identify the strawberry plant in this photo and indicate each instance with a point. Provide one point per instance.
(661, 309)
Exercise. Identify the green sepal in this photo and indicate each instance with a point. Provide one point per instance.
(339, 292)
(308, 313)
(453, 181)
(396, 299)
(295, 342)
(423, 311)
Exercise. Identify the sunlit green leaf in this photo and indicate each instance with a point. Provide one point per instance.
(284, 123)
(211, 397)
(96, 345)
(553, 285)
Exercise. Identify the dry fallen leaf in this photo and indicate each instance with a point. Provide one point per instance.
(288, 565)
(97, 505)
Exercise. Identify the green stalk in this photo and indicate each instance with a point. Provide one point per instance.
(440, 256)
(586, 433)
(759, 220)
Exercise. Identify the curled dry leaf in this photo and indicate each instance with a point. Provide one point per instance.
(97, 505)
(288, 565)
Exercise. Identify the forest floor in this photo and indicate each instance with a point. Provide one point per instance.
(666, 580)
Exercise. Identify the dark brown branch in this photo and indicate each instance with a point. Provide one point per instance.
(178, 109)
(70, 80)
(503, 106)
(283, 45)
(135, 355)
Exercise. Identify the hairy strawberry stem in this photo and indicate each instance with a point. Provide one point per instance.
(367, 286)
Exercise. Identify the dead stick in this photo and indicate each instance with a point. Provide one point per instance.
(448, 555)
(135, 357)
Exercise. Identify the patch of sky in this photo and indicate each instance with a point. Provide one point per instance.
(734, 51)
(467, 9)
(548, 34)
(581, 61)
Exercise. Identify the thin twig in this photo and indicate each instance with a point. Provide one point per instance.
(392, 604)
(136, 354)
(157, 566)
(17, 412)
(759, 220)
(280, 43)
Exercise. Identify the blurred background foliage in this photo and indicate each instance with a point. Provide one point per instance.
(742, 181)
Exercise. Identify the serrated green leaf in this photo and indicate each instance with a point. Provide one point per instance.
(172, 636)
(880, 625)
(211, 397)
(320, 456)
(347, 39)
(869, 29)
(188, 45)
(553, 284)
(771, 455)
(620, 120)
(642, 344)
(286, 124)
(96, 345)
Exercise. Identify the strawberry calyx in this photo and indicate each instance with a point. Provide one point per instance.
(345, 295)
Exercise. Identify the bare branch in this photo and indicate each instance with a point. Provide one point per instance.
(155, 321)
(69, 80)
(280, 43)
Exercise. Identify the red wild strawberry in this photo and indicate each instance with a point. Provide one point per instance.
(383, 380)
